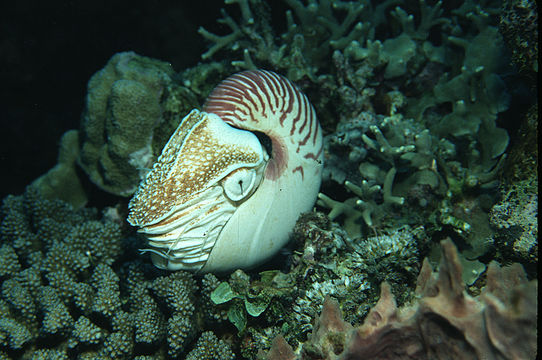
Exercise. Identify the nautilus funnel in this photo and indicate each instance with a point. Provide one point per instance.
(232, 180)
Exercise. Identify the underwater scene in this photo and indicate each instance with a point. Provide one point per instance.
(267, 180)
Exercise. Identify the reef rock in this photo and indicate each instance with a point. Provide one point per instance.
(131, 109)
(444, 323)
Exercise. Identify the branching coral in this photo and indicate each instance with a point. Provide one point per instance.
(69, 287)
(313, 31)
(422, 133)
(209, 347)
(379, 147)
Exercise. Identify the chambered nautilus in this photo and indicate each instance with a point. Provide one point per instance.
(232, 180)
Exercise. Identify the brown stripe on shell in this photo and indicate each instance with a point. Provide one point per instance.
(249, 99)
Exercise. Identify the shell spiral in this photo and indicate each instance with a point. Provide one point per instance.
(218, 199)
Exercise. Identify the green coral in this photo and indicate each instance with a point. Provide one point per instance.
(313, 32)
(9, 262)
(244, 298)
(209, 347)
(515, 220)
(63, 181)
(47, 354)
(212, 314)
(72, 276)
(177, 292)
(56, 317)
(420, 144)
(55, 247)
(150, 324)
(410, 97)
(126, 101)
(117, 345)
(84, 331)
(13, 334)
(21, 301)
(378, 147)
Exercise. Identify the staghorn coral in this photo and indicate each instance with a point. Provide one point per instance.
(253, 35)
(444, 322)
(313, 31)
(209, 347)
(430, 149)
(417, 142)
(69, 288)
(377, 147)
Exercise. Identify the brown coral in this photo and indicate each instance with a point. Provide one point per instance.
(445, 323)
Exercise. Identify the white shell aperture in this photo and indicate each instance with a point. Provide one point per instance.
(216, 200)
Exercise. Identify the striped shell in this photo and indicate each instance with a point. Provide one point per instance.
(217, 199)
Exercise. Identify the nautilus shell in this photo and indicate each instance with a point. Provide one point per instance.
(232, 180)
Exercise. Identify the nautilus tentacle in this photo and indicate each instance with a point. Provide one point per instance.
(218, 199)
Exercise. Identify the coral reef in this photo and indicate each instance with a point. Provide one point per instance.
(411, 96)
(377, 147)
(49, 249)
(515, 219)
(333, 264)
(444, 322)
(519, 26)
(325, 262)
(63, 181)
(71, 288)
(411, 107)
(132, 107)
(423, 135)
(303, 48)
(209, 347)
(411, 103)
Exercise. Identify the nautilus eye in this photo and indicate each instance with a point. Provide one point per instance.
(216, 200)
(239, 184)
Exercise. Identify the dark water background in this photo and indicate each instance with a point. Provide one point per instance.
(49, 50)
